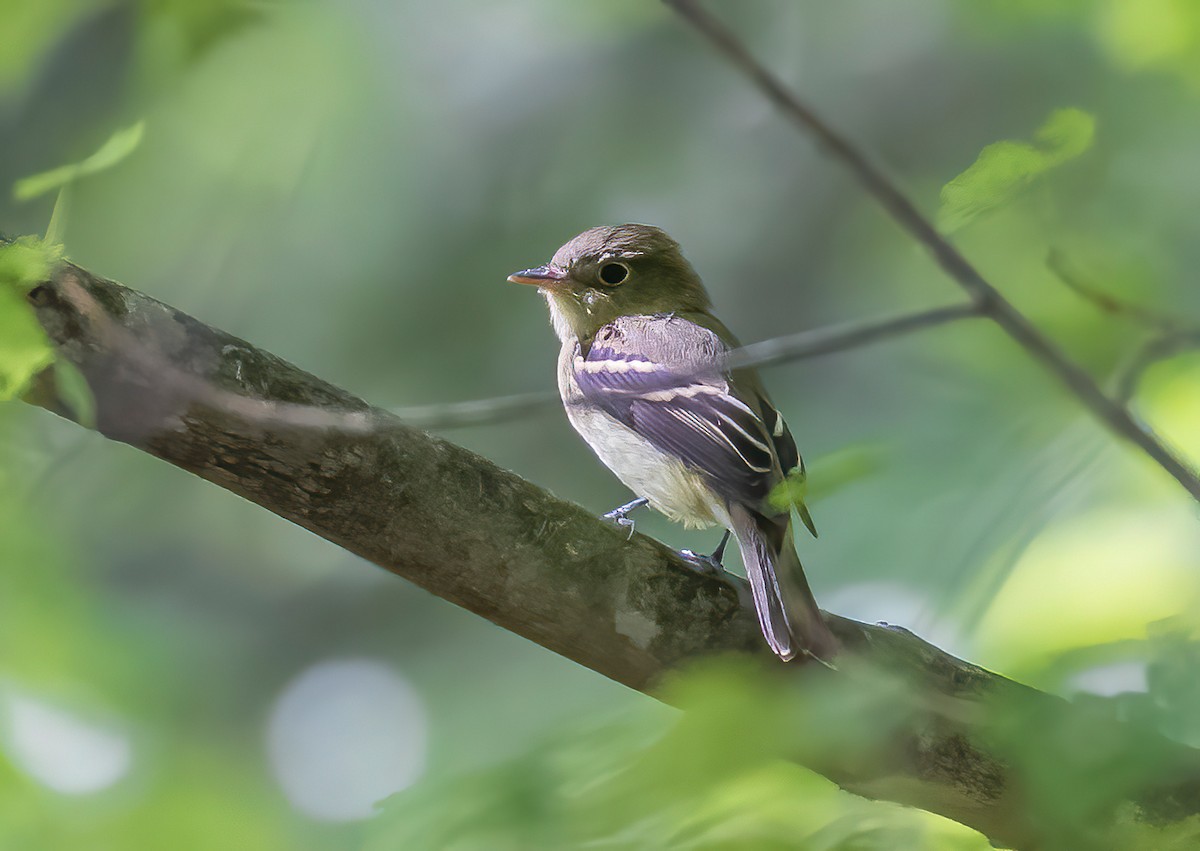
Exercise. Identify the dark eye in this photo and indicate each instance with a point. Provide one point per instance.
(612, 274)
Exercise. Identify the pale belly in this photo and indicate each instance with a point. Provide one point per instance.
(672, 488)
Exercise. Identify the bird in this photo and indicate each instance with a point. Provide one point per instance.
(644, 377)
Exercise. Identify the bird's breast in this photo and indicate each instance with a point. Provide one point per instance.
(672, 487)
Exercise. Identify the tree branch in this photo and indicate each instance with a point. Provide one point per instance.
(804, 344)
(992, 304)
(487, 540)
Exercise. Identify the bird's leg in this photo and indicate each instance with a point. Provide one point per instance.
(620, 516)
(718, 555)
(708, 564)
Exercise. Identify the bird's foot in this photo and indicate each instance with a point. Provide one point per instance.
(709, 565)
(706, 565)
(620, 516)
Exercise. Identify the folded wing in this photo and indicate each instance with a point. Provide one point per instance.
(663, 376)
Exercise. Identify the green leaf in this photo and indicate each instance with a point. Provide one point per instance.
(703, 779)
(791, 492)
(24, 348)
(30, 31)
(119, 146)
(832, 472)
(1004, 168)
(27, 262)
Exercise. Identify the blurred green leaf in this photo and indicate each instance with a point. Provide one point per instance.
(791, 492)
(119, 146)
(1153, 33)
(1004, 168)
(835, 470)
(713, 777)
(24, 347)
(30, 29)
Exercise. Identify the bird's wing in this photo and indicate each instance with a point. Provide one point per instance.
(663, 377)
(785, 446)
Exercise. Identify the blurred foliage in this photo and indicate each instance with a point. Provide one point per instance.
(119, 145)
(1004, 168)
(791, 492)
(348, 183)
(30, 30)
(844, 467)
(714, 777)
(24, 348)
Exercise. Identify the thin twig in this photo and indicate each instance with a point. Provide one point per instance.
(190, 387)
(271, 413)
(837, 338)
(475, 411)
(1152, 351)
(805, 344)
(1106, 302)
(1171, 336)
(1076, 379)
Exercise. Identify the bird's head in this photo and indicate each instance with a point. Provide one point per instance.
(608, 272)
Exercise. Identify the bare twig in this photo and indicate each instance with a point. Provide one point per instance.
(1171, 335)
(1152, 351)
(839, 338)
(189, 387)
(1057, 263)
(475, 412)
(1076, 379)
(805, 344)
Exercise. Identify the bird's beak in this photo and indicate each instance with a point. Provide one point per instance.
(539, 276)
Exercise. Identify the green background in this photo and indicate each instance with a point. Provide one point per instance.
(347, 184)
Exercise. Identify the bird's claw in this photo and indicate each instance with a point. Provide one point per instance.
(620, 516)
(702, 564)
(621, 520)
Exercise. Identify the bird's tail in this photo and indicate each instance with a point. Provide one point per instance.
(787, 613)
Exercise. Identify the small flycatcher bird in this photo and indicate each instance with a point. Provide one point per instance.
(643, 376)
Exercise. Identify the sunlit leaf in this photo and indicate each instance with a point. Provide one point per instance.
(27, 262)
(1004, 168)
(119, 146)
(1149, 32)
(1169, 395)
(1071, 585)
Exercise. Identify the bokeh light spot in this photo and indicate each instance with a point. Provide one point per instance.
(61, 750)
(345, 734)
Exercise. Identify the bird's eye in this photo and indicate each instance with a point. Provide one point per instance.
(611, 274)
